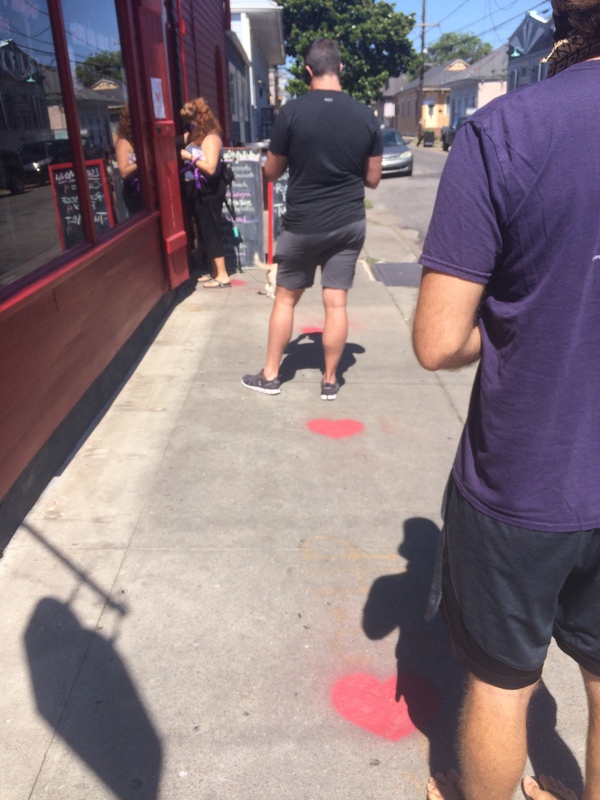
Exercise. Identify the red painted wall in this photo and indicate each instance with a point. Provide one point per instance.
(60, 333)
(55, 343)
(205, 55)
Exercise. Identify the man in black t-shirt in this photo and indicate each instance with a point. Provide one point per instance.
(332, 146)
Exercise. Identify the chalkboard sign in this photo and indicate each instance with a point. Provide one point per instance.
(243, 236)
(280, 187)
(66, 201)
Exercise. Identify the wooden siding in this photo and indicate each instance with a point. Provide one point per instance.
(56, 343)
(205, 54)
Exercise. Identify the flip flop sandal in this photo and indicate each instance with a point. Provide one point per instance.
(549, 791)
(215, 284)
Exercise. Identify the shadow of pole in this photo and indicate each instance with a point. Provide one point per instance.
(83, 690)
(80, 574)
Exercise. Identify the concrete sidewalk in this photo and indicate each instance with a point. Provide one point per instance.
(216, 598)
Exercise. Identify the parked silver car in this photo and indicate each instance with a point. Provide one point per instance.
(397, 158)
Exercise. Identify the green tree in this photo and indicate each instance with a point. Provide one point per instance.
(448, 47)
(457, 45)
(372, 37)
(105, 64)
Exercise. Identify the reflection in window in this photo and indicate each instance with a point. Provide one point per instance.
(30, 123)
(39, 196)
(101, 94)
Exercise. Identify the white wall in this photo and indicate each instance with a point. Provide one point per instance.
(490, 90)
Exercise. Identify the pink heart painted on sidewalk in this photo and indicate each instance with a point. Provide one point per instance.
(311, 329)
(236, 282)
(335, 428)
(370, 704)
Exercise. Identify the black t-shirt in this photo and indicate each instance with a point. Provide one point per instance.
(327, 137)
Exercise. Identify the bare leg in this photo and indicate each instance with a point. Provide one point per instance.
(493, 740)
(592, 760)
(280, 328)
(219, 270)
(335, 331)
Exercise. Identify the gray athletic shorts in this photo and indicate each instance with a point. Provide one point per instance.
(507, 591)
(336, 252)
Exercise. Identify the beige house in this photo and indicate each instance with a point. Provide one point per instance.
(435, 105)
(478, 84)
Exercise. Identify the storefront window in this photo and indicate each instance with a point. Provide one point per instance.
(100, 86)
(39, 195)
(31, 116)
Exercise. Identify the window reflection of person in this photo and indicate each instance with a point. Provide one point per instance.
(204, 186)
(127, 164)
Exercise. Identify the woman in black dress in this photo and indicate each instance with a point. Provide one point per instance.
(204, 186)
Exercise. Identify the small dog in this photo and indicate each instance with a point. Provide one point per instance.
(271, 280)
(271, 270)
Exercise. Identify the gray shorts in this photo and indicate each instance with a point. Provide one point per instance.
(336, 252)
(507, 591)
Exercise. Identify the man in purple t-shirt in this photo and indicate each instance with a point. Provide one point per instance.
(512, 277)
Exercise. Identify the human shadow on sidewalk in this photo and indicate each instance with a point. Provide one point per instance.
(306, 352)
(548, 752)
(83, 690)
(400, 601)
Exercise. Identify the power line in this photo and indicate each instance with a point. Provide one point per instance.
(512, 19)
(495, 27)
(454, 10)
(504, 8)
(500, 24)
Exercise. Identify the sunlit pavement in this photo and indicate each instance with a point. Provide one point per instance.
(222, 592)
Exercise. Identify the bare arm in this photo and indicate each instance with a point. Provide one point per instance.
(275, 166)
(445, 332)
(122, 150)
(211, 147)
(373, 171)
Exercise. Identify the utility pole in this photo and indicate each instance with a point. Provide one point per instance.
(422, 69)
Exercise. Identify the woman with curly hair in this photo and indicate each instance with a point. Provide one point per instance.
(127, 164)
(204, 186)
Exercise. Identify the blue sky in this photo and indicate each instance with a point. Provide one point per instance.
(492, 20)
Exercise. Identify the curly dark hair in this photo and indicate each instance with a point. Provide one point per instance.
(124, 127)
(576, 17)
(204, 121)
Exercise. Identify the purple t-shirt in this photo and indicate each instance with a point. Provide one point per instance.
(518, 209)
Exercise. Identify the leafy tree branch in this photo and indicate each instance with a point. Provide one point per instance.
(372, 37)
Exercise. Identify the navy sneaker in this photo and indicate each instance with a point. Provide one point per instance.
(329, 390)
(260, 384)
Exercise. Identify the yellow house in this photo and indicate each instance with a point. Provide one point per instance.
(435, 104)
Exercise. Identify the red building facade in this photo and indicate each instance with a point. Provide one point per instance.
(203, 49)
(93, 240)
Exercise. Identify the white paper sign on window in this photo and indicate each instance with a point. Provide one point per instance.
(157, 98)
